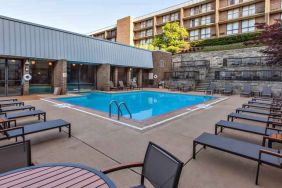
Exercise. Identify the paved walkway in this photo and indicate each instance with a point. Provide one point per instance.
(101, 144)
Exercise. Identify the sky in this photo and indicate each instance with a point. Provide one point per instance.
(81, 16)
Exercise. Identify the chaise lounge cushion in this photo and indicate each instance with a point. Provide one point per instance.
(24, 114)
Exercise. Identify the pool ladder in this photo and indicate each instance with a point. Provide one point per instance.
(118, 105)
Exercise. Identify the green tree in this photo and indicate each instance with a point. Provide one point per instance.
(172, 39)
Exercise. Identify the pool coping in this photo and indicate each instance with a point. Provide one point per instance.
(142, 125)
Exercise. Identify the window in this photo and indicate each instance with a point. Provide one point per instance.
(233, 2)
(194, 11)
(249, 10)
(205, 33)
(149, 41)
(232, 28)
(143, 25)
(206, 20)
(166, 18)
(174, 17)
(194, 35)
(143, 34)
(248, 26)
(194, 22)
(233, 14)
(149, 23)
(206, 7)
(113, 33)
(143, 42)
(150, 32)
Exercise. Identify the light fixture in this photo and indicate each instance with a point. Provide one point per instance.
(50, 63)
(73, 65)
(33, 62)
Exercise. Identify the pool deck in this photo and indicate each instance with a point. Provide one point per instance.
(101, 144)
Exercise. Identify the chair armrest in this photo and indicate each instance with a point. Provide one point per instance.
(3, 113)
(121, 167)
(270, 138)
(269, 153)
(274, 129)
(11, 129)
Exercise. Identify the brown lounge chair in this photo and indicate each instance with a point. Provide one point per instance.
(160, 168)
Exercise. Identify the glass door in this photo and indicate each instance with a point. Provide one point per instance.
(10, 77)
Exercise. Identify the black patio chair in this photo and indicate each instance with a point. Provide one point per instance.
(266, 92)
(16, 108)
(247, 91)
(260, 154)
(160, 168)
(14, 156)
(211, 89)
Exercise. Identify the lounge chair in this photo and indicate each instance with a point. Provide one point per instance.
(261, 154)
(228, 89)
(40, 114)
(263, 102)
(11, 103)
(247, 91)
(160, 168)
(271, 120)
(257, 111)
(266, 92)
(262, 106)
(211, 89)
(16, 108)
(186, 87)
(21, 131)
(8, 99)
(112, 87)
(122, 86)
(134, 85)
(173, 86)
(14, 156)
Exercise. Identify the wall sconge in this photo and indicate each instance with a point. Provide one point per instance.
(33, 62)
(50, 63)
(26, 62)
(73, 65)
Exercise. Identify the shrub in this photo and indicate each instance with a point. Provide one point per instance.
(225, 40)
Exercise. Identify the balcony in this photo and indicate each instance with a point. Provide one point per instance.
(200, 25)
(198, 14)
(240, 4)
(258, 12)
(276, 8)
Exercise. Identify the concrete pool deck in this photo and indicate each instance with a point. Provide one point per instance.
(101, 144)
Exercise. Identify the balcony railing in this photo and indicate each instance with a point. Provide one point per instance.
(189, 25)
(276, 6)
(182, 75)
(250, 75)
(240, 15)
(245, 62)
(198, 12)
(241, 3)
(193, 63)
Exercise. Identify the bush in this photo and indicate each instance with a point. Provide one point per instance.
(225, 40)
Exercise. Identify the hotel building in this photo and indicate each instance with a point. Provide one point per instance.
(202, 18)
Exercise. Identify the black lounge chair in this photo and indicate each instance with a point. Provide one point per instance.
(16, 108)
(256, 111)
(247, 91)
(211, 89)
(21, 131)
(263, 131)
(8, 99)
(228, 89)
(266, 103)
(11, 103)
(160, 168)
(266, 92)
(261, 154)
(15, 156)
(39, 113)
(262, 106)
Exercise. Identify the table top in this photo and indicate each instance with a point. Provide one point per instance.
(56, 175)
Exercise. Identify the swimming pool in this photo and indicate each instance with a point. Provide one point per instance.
(142, 104)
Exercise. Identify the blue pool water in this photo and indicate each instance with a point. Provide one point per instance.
(142, 104)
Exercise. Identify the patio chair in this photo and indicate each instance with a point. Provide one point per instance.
(112, 86)
(160, 168)
(187, 87)
(173, 86)
(211, 89)
(134, 85)
(247, 91)
(14, 156)
(11, 103)
(228, 89)
(262, 106)
(266, 92)
(122, 86)
(16, 108)
(8, 99)
(22, 131)
(258, 111)
(260, 154)
(39, 113)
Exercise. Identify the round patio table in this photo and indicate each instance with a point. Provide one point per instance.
(56, 175)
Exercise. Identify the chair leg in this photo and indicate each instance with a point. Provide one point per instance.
(194, 150)
(215, 130)
(60, 129)
(69, 130)
(257, 176)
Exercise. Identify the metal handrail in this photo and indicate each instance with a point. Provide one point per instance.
(110, 107)
(124, 104)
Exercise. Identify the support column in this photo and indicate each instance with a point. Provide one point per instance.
(128, 75)
(60, 76)
(103, 77)
(140, 77)
(217, 18)
(267, 11)
(115, 76)
(25, 84)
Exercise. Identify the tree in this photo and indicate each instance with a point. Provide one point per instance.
(172, 39)
(271, 36)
